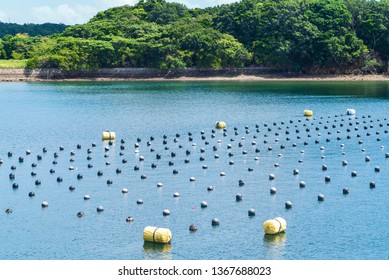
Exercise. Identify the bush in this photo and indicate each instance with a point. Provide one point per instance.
(372, 66)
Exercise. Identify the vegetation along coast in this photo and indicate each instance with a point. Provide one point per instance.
(247, 40)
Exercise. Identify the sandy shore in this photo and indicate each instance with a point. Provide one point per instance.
(246, 78)
(241, 78)
(21, 75)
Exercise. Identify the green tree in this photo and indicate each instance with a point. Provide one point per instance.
(210, 48)
(18, 46)
(239, 19)
(126, 52)
(337, 47)
(285, 36)
(162, 12)
(2, 50)
(325, 36)
(72, 54)
(30, 29)
(374, 27)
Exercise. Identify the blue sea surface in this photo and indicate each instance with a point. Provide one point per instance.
(266, 134)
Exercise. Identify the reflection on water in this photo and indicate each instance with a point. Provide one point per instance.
(157, 251)
(274, 245)
(372, 89)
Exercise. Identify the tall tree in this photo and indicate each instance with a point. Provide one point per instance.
(374, 27)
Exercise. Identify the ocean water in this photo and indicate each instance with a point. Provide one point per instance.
(266, 134)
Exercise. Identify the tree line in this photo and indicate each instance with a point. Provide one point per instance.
(31, 28)
(311, 36)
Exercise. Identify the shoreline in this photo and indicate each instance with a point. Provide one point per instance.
(240, 78)
(183, 75)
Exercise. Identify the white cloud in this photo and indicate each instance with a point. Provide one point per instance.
(220, 2)
(63, 14)
(202, 3)
(70, 13)
(3, 16)
(113, 3)
(187, 3)
(74, 14)
(105, 4)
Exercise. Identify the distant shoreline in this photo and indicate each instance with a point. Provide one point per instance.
(190, 74)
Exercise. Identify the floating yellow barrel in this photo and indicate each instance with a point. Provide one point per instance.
(157, 235)
(109, 135)
(220, 125)
(274, 226)
(308, 113)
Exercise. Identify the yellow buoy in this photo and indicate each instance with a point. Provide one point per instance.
(308, 113)
(157, 235)
(109, 135)
(220, 125)
(274, 226)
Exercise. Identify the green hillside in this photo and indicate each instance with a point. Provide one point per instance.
(313, 36)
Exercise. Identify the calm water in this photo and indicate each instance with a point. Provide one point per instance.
(49, 115)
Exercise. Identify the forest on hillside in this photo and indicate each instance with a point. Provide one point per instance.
(309, 36)
(31, 29)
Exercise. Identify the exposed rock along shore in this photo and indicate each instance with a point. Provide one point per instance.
(189, 74)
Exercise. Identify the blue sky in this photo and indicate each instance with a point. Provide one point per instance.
(73, 11)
